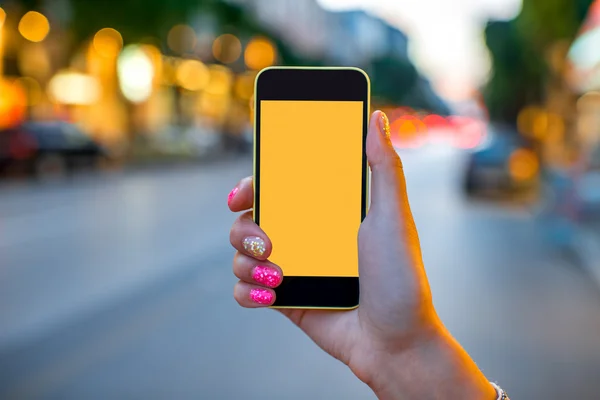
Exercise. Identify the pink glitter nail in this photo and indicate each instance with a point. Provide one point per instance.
(266, 276)
(261, 296)
(232, 194)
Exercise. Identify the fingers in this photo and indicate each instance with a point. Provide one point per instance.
(242, 196)
(256, 272)
(248, 238)
(253, 296)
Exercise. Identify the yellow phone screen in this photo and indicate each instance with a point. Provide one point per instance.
(311, 185)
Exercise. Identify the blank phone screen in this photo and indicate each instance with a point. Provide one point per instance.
(311, 175)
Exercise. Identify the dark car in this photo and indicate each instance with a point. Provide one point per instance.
(505, 164)
(47, 148)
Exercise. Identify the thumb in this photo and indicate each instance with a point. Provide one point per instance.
(389, 200)
(388, 187)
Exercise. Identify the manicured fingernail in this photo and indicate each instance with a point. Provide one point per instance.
(261, 296)
(266, 276)
(232, 194)
(254, 245)
(385, 125)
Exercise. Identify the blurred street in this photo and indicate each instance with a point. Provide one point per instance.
(117, 287)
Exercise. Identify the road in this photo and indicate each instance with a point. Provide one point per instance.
(119, 286)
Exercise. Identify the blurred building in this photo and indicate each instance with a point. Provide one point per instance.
(342, 38)
(357, 38)
(303, 24)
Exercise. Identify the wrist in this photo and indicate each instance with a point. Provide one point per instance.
(435, 367)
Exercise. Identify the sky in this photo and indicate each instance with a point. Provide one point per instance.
(446, 36)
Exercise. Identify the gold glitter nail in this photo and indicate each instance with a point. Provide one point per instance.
(386, 124)
(254, 245)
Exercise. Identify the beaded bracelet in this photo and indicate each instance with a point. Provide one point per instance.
(501, 393)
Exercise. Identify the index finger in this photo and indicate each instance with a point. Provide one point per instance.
(241, 198)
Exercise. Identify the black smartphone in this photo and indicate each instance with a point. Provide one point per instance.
(311, 180)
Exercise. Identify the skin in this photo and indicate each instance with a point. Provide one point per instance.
(394, 342)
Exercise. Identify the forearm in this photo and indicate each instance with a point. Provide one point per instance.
(436, 369)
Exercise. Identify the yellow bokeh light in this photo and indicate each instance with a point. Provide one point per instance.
(260, 53)
(108, 42)
(34, 26)
(220, 80)
(532, 121)
(2, 16)
(227, 48)
(213, 105)
(244, 85)
(157, 60)
(523, 165)
(182, 39)
(192, 75)
(168, 71)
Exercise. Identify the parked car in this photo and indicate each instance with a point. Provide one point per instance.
(504, 164)
(47, 148)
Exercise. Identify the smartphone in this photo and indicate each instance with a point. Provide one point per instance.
(311, 180)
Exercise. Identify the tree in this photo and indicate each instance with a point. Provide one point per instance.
(518, 50)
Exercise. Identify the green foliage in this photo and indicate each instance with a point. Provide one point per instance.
(392, 78)
(140, 19)
(519, 51)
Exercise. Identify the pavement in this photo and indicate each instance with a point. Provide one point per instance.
(119, 286)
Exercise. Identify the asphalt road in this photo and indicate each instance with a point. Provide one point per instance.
(119, 286)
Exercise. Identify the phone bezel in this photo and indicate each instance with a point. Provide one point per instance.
(316, 84)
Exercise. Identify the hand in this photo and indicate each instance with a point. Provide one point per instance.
(396, 328)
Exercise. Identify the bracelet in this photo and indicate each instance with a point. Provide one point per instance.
(501, 393)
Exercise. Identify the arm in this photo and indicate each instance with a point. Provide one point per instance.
(437, 368)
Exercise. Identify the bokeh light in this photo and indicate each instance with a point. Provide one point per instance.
(536, 123)
(523, 165)
(434, 121)
(12, 104)
(108, 42)
(157, 60)
(2, 17)
(182, 39)
(74, 88)
(192, 75)
(34, 26)
(468, 132)
(244, 85)
(136, 73)
(220, 80)
(260, 53)
(227, 48)
(407, 131)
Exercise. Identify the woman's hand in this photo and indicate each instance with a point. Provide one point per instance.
(394, 341)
